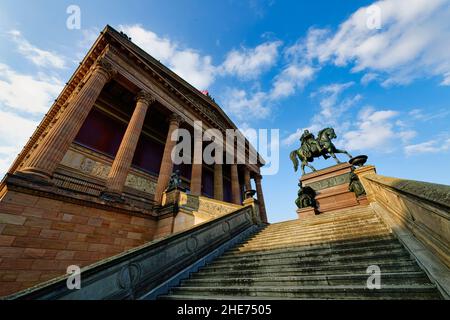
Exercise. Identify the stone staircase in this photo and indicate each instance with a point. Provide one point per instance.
(322, 257)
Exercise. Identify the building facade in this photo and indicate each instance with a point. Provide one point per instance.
(90, 183)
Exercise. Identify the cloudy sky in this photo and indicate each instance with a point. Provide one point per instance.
(384, 85)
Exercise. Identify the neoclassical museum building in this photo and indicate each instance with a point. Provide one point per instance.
(90, 183)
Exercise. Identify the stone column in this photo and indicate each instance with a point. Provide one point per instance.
(259, 194)
(167, 164)
(248, 184)
(218, 182)
(197, 164)
(124, 157)
(51, 150)
(235, 190)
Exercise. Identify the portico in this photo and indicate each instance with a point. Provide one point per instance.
(136, 105)
(91, 181)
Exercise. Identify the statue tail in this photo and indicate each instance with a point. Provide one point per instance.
(294, 160)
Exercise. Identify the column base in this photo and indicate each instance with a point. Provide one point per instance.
(35, 177)
(112, 197)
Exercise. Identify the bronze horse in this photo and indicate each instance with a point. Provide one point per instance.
(306, 156)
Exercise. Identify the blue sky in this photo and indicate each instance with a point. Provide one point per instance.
(287, 65)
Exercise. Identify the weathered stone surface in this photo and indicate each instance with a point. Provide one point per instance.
(321, 257)
(134, 273)
(420, 207)
(43, 237)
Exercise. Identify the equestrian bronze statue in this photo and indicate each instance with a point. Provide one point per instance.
(314, 148)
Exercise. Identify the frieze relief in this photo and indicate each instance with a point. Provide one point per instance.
(205, 205)
(330, 182)
(97, 169)
(214, 208)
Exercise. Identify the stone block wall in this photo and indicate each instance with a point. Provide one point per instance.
(41, 237)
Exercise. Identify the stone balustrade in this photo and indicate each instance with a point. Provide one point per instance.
(421, 208)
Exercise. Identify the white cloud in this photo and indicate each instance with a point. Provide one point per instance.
(39, 57)
(332, 110)
(250, 63)
(295, 137)
(293, 77)
(418, 114)
(412, 42)
(14, 133)
(368, 78)
(330, 95)
(374, 130)
(246, 106)
(88, 37)
(27, 93)
(258, 104)
(187, 63)
(407, 135)
(21, 94)
(432, 146)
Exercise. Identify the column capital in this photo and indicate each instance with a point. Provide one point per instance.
(176, 119)
(258, 177)
(145, 97)
(103, 65)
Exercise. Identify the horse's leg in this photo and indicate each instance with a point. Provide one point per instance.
(328, 151)
(311, 167)
(335, 158)
(303, 167)
(343, 151)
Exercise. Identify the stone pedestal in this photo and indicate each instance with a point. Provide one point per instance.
(306, 212)
(331, 185)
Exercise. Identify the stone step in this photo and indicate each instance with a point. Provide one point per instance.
(335, 213)
(303, 228)
(320, 257)
(403, 292)
(375, 241)
(316, 225)
(336, 262)
(313, 240)
(344, 228)
(242, 258)
(322, 220)
(407, 278)
(394, 265)
(317, 261)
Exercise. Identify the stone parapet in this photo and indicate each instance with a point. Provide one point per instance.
(420, 207)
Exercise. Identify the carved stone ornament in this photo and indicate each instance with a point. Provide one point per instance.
(105, 66)
(145, 97)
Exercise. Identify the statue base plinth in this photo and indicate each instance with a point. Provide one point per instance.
(331, 185)
(306, 212)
